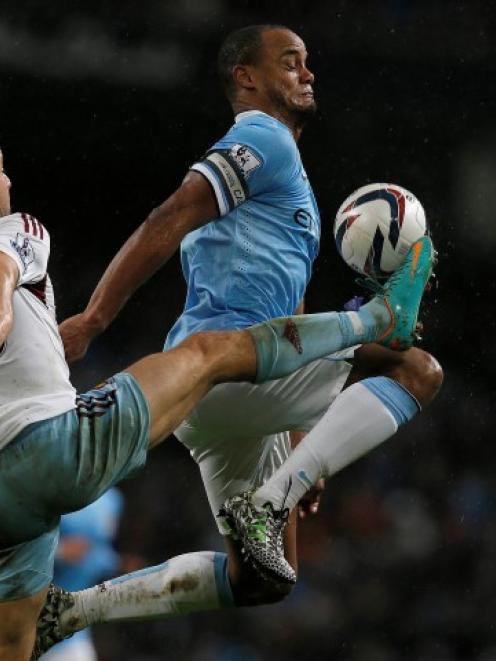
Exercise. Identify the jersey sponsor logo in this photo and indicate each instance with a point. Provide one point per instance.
(303, 218)
(245, 159)
(307, 220)
(22, 245)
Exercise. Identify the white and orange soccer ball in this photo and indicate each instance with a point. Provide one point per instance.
(376, 226)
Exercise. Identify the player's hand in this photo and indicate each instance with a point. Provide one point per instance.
(76, 335)
(310, 502)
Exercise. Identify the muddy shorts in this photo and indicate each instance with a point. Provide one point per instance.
(61, 465)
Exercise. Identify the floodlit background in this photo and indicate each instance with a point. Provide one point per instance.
(103, 105)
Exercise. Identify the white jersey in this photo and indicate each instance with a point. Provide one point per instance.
(34, 376)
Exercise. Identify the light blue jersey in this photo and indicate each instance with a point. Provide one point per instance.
(97, 524)
(254, 261)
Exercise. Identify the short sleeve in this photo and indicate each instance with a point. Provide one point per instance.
(250, 160)
(26, 240)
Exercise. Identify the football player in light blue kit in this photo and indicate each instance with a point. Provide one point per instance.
(84, 556)
(248, 225)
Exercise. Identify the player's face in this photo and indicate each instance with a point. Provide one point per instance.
(285, 77)
(4, 190)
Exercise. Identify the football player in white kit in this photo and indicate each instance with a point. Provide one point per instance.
(59, 450)
(248, 225)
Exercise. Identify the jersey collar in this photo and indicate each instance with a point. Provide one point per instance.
(248, 113)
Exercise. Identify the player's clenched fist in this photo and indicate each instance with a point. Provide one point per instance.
(76, 334)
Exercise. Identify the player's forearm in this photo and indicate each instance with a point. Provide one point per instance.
(191, 206)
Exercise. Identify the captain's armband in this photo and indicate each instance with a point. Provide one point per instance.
(228, 171)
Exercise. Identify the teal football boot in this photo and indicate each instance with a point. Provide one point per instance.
(402, 295)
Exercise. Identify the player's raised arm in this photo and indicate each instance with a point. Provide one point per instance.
(9, 275)
(146, 250)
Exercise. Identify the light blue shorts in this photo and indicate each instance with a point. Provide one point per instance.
(61, 465)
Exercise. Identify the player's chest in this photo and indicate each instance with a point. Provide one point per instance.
(297, 212)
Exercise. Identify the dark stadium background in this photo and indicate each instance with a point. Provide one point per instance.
(102, 107)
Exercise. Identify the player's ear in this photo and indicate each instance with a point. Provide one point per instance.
(243, 77)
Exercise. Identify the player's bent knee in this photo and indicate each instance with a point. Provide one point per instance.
(421, 373)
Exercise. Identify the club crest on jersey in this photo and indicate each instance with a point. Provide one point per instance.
(22, 245)
(245, 159)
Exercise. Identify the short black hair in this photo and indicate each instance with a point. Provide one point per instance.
(240, 47)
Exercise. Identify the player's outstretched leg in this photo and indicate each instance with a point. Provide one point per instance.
(175, 381)
(187, 583)
(390, 318)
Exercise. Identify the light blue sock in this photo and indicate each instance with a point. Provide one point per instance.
(402, 405)
(285, 344)
(224, 590)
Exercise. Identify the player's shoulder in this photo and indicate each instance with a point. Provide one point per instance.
(24, 223)
(263, 133)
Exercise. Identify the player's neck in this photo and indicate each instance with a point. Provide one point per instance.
(273, 112)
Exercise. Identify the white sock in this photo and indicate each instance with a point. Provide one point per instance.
(360, 418)
(187, 583)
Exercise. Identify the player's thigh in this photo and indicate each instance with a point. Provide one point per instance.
(296, 402)
(18, 625)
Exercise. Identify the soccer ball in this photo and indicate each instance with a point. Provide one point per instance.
(376, 226)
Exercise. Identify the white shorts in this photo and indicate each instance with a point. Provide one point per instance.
(238, 433)
(79, 650)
